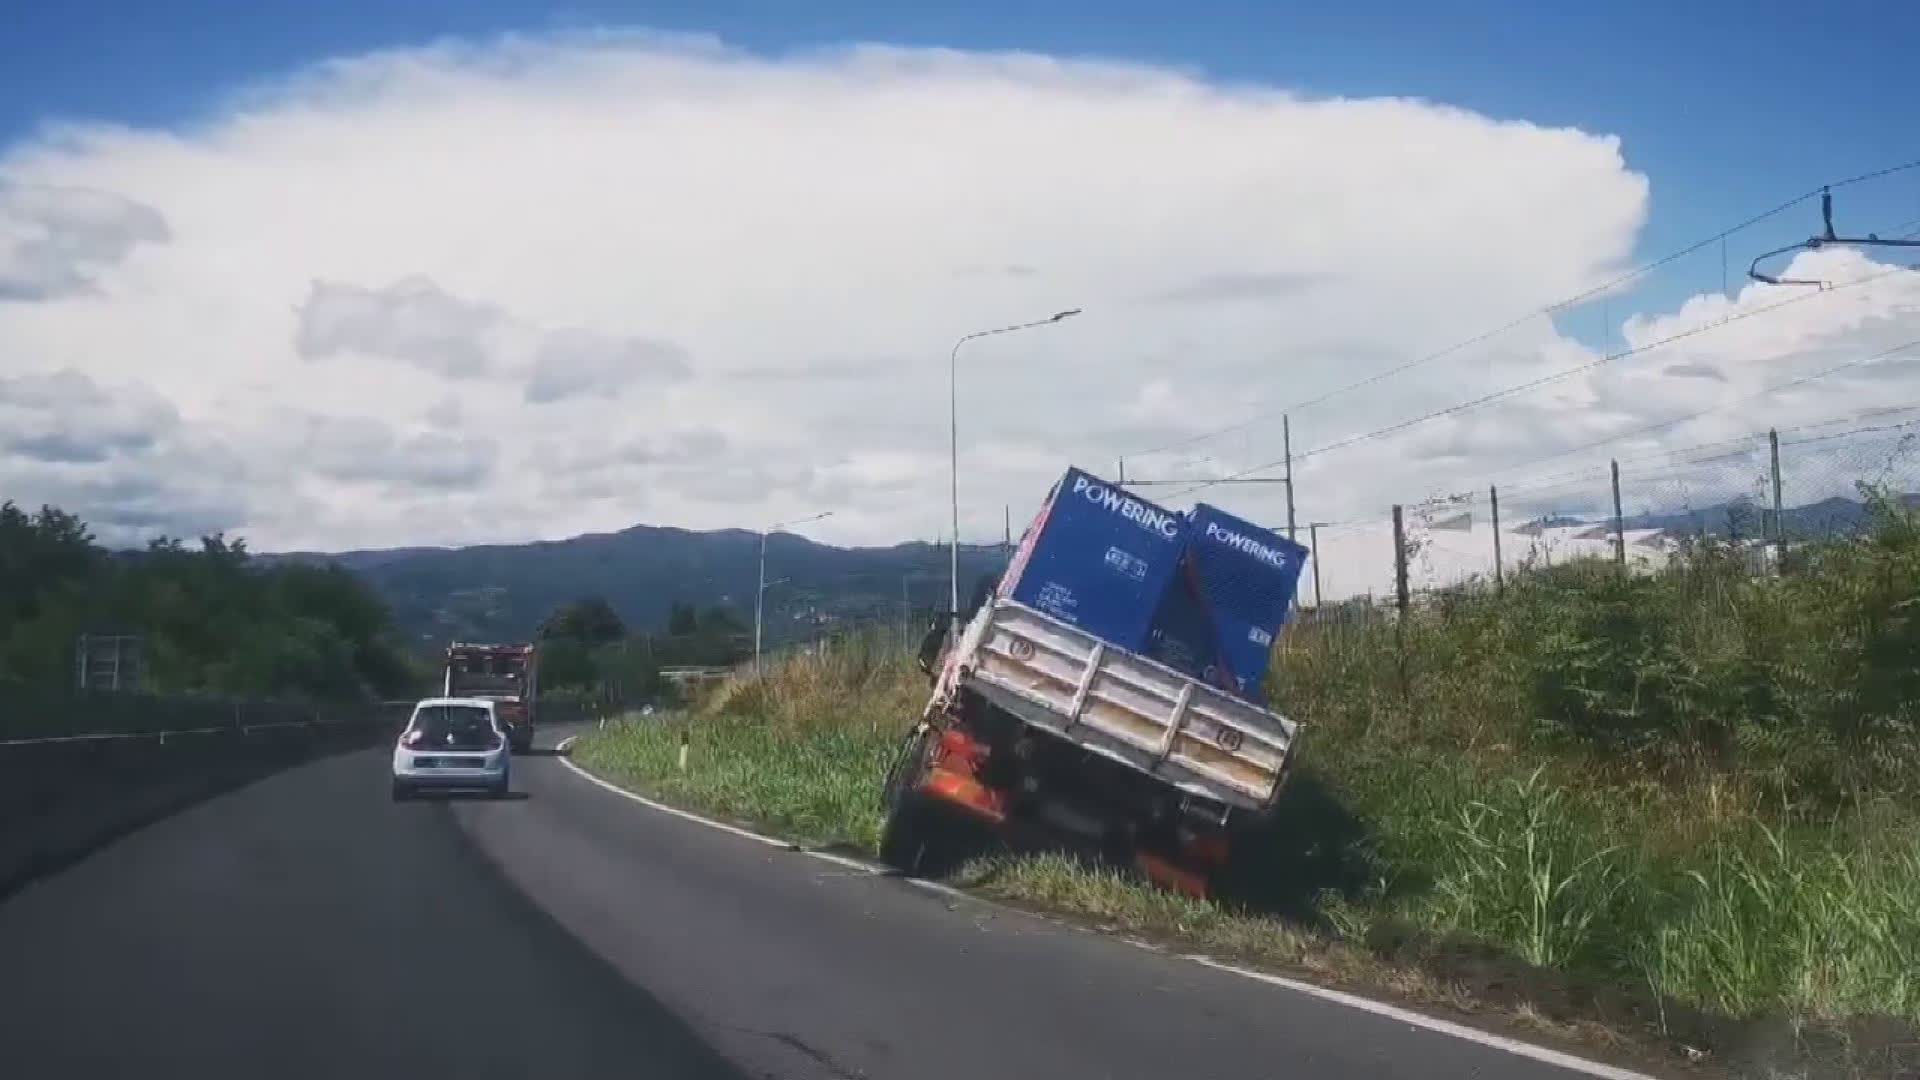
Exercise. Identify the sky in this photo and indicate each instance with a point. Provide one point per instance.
(351, 275)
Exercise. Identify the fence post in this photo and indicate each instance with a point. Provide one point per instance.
(1399, 560)
(1493, 505)
(1313, 548)
(1619, 521)
(1779, 516)
(1286, 448)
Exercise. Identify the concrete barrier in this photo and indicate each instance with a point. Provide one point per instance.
(62, 797)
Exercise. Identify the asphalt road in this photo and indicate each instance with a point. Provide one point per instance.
(306, 926)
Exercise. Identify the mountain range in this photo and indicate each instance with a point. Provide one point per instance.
(500, 592)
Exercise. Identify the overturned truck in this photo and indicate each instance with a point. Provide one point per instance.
(1106, 692)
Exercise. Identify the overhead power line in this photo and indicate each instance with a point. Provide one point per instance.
(1786, 384)
(1682, 459)
(1544, 310)
(1533, 384)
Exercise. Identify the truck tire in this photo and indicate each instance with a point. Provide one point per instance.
(904, 835)
(402, 791)
(908, 766)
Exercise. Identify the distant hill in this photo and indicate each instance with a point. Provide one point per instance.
(1744, 517)
(502, 591)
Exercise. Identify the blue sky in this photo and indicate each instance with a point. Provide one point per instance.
(1727, 106)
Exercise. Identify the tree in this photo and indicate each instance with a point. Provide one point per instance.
(591, 622)
(210, 618)
(681, 620)
(565, 664)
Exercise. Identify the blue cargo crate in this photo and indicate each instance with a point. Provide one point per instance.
(1098, 558)
(1234, 591)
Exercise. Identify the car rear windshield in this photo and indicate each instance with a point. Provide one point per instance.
(464, 727)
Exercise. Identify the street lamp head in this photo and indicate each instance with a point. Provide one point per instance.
(798, 521)
(1067, 314)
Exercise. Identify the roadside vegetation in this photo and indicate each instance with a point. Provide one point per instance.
(212, 618)
(1681, 805)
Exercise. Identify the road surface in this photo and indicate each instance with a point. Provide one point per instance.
(306, 926)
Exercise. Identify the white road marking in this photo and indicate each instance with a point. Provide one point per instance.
(660, 806)
(842, 860)
(1421, 1020)
(1516, 1047)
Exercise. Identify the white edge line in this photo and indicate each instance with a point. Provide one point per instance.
(1431, 1023)
(1516, 1047)
(660, 806)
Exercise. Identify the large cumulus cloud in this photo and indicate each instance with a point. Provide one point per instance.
(599, 279)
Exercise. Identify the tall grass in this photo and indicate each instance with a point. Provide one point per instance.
(1698, 782)
(800, 748)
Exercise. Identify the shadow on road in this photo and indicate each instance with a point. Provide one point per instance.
(467, 796)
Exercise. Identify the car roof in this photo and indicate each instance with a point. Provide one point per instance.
(476, 702)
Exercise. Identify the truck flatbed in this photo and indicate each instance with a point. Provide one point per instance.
(1147, 716)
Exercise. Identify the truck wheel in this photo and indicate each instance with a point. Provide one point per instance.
(908, 766)
(904, 837)
(402, 791)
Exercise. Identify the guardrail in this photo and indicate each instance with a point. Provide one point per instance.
(27, 715)
(241, 726)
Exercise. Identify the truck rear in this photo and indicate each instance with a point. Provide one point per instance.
(508, 675)
(1050, 714)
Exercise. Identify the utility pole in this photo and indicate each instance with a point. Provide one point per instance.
(1779, 518)
(1286, 445)
(1006, 537)
(1313, 548)
(1399, 560)
(1123, 472)
(1619, 521)
(1493, 504)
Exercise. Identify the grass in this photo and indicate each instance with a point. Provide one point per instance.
(800, 750)
(1680, 805)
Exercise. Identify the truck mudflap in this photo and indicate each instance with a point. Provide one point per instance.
(1120, 705)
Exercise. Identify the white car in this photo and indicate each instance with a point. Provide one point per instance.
(452, 743)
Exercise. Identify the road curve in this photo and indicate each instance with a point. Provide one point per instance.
(305, 926)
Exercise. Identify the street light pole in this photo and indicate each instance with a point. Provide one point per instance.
(760, 591)
(953, 440)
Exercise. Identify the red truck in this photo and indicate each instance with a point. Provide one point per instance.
(508, 675)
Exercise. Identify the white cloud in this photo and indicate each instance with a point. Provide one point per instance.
(410, 320)
(486, 291)
(414, 321)
(67, 417)
(55, 239)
